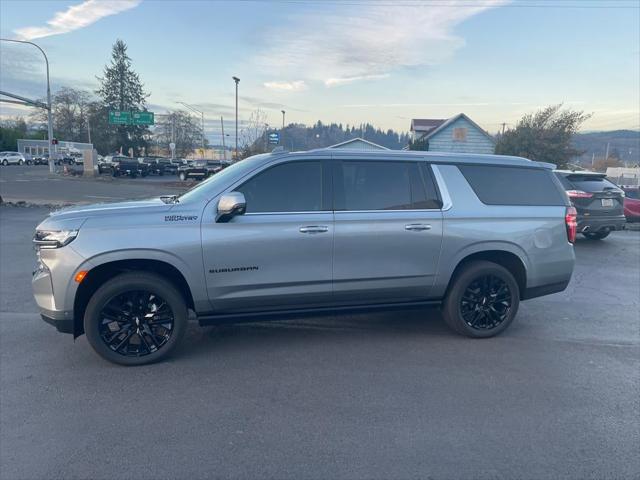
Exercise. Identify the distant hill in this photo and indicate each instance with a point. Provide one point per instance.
(623, 143)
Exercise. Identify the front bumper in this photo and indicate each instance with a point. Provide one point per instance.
(63, 325)
(43, 294)
(596, 224)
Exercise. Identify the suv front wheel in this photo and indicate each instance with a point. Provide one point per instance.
(135, 318)
(482, 301)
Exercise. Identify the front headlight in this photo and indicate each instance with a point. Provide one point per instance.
(54, 238)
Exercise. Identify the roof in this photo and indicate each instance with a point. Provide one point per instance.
(426, 124)
(358, 139)
(445, 124)
(435, 157)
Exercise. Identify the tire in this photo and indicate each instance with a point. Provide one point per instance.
(482, 314)
(5, 163)
(597, 235)
(183, 177)
(29, 162)
(20, 162)
(141, 342)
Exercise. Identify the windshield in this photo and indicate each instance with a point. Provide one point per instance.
(218, 182)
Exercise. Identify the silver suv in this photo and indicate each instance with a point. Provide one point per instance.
(306, 233)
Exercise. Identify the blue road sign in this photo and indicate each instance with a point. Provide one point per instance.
(274, 138)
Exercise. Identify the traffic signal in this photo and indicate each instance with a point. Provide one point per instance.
(54, 141)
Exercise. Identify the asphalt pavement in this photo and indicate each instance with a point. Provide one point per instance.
(34, 184)
(379, 396)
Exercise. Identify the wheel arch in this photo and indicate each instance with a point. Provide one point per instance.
(102, 272)
(506, 258)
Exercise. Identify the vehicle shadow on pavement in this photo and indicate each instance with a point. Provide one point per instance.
(313, 332)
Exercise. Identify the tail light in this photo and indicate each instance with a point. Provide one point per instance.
(571, 221)
(579, 194)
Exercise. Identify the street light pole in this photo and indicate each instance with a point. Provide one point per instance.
(195, 110)
(282, 131)
(52, 158)
(237, 80)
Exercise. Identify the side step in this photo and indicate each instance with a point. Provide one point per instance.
(211, 318)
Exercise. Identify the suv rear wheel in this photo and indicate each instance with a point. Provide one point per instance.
(597, 235)
(135, 319)
(482, 301)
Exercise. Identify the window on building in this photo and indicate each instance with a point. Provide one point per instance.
(460, 134)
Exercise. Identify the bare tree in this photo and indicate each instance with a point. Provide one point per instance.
(181, 128)
(253, 136)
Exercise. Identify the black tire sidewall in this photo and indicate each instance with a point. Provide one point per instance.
(135, 281)
(462, 280)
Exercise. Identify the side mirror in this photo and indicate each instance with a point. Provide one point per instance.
(230, 205)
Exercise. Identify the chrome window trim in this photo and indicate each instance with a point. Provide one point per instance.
(442, 186)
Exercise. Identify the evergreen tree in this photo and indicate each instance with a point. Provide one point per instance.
(121, 89)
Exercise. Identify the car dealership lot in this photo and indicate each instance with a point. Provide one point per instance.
(392, 395)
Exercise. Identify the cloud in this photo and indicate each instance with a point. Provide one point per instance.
(76, 17)
(294, 86)
(335, 82)
(348, 43)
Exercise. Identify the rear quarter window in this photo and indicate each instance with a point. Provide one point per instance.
(497, 185)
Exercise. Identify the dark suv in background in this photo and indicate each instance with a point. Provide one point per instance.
(599, 202)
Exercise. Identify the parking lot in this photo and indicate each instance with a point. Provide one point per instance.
(393, 395)
(34, 184)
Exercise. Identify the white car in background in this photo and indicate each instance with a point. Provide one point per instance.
(12, 158)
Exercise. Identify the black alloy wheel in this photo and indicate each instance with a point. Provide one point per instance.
(486, 302)
(136, 318)
(482, 299)
(136, 323)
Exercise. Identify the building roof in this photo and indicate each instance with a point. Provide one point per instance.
(358, 140)
(445, 124)
(426, 124)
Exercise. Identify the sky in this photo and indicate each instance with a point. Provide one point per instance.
(353, 61)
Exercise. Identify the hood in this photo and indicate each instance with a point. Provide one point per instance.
(73, 217)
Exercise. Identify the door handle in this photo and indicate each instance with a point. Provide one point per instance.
(314, 229)
(418, 227)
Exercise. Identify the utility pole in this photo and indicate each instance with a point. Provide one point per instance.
(88, 129)
(606, 155)
(503, 126)
(237, 80)
(224, 147)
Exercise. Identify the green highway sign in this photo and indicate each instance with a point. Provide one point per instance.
(119, 118)
(130, 118)
(142, 118)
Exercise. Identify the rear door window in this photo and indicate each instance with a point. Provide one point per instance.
(393, 185)
(497, 185)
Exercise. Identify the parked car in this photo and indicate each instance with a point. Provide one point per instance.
(197, 170)
(308, 233)
(599, 203)
(160, 166)
(130, 167)
(632, 203)
(201, 169)
(12, 158)
(42, 159)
